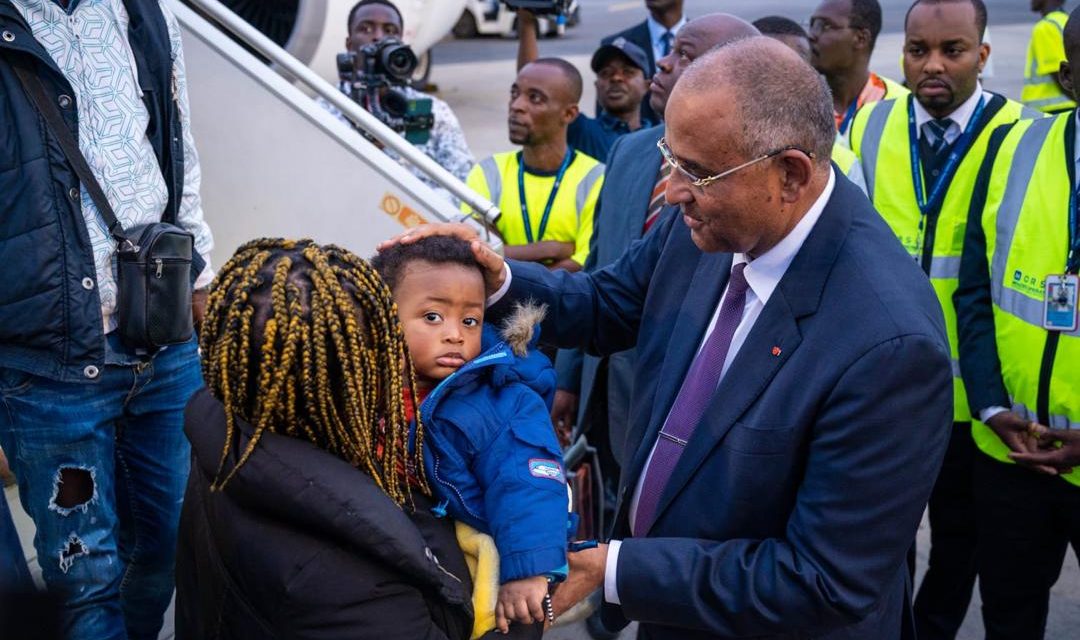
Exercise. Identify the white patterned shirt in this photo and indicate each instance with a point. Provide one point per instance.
(446, 146)
(90, 47)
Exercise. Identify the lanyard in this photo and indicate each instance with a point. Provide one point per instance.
(570, 153)
(849, 115)
(1073, 262)
(952, 163)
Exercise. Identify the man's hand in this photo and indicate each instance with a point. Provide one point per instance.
(586, 575)
(546, 251)
(491, 262)
(1021, 436)
(564, 415)
(1059, 451)
(198, 306)
(521, 601)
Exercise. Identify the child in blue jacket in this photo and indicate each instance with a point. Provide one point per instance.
(485, 397)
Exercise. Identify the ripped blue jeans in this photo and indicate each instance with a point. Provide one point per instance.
(101, 469)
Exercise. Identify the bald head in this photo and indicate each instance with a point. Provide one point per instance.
(694, 40)
(778, 98)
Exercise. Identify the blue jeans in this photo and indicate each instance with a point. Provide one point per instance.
(102, 469)
(14, 574)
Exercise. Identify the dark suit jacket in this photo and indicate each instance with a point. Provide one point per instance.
(620, 216)
(639, 35)
(793, 507)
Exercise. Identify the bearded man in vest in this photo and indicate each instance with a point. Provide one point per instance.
(921, 154)
(1020, 358)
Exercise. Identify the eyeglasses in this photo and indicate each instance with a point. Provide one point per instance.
(701, 183)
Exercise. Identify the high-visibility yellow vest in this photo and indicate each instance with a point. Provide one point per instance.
(893, 90)
(571, 219)
(881, 139)
(849, 164)
(1025, 221)
(1046, 52)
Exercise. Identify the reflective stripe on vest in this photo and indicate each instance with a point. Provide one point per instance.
(493, 178)
(881, 136)
(1025, 221)
(586, 186)
(1042, 92)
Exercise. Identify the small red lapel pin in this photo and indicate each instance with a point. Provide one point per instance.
(776, 351)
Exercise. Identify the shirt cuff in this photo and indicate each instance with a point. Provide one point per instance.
(611, 586)
(990, 412)
(498, 295)
(207, 275)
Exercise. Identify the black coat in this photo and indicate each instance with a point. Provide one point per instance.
(50, 324)
(300, 544)
(639, 35)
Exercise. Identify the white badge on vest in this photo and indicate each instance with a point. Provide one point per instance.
(1059, 302)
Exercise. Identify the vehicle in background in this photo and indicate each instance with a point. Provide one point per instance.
(491, 17)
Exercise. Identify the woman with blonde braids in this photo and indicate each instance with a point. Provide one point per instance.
(307, 512)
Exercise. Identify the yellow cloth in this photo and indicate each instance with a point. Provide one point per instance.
(483, 560)
(1045, 54)
(571, 219)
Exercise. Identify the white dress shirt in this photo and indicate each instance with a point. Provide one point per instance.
(656, 36)
(763, 274)
(958, 119)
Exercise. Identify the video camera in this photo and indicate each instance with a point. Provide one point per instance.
(387, 64)
(541, 7)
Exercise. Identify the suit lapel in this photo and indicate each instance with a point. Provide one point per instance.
(648, 164)
(699, 304)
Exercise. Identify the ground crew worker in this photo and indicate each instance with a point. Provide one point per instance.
(842, 37)
(1020, 357)
(547, 192)
(921, 155)
(1042, 85)
(790, 33)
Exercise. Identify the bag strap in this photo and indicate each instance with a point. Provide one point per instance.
(55, 123)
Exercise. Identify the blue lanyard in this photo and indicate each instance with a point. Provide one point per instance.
(848, 117)
(551, 196)
(959, 148)
(1072, 264)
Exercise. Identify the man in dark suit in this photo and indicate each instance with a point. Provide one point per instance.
(629, 206)
(656, 36)
(792, 399)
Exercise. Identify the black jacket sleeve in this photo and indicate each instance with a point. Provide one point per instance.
(979, 362)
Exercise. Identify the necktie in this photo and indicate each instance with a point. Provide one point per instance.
(665, 43)
(935, 130)
(656, 200)
(698, 387)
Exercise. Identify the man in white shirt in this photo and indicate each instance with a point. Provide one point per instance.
(656, 37)
(792, 405)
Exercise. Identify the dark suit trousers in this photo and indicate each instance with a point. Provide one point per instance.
(945, 592)
(1026, 523)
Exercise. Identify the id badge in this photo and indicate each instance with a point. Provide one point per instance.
(1059, 302)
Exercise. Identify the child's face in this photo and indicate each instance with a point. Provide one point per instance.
(441, 307)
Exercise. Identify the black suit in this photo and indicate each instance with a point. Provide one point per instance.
(639, 35)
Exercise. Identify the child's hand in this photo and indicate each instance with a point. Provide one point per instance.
(520, 601)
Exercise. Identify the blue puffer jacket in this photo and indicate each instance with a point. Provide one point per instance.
(492, 455)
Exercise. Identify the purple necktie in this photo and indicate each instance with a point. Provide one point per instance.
(694, 395)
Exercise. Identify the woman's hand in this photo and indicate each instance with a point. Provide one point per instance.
(520, 601)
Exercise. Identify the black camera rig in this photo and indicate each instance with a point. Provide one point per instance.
(373, 77)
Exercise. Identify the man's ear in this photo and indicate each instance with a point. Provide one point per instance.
(1066, 79)
(571, 113)
(798, 174)
(862, 38)
(984, 55)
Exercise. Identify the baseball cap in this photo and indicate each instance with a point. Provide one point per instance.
(620, 46)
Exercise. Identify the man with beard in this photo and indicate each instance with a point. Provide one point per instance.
(622, 81)
(547, 191)
(842, 37)
(921, 155)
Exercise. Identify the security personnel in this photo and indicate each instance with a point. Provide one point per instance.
(1042, 85)
(1020, 357)
(547, 192)
(921, 154)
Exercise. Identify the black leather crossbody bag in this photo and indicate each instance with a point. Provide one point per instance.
(155, 261)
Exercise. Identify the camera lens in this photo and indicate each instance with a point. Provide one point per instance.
(400, 61)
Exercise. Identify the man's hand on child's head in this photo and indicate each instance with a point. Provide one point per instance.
(520, 601)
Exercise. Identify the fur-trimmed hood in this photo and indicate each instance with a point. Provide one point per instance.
(519, 329)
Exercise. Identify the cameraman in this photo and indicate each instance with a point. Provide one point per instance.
(371, 21)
